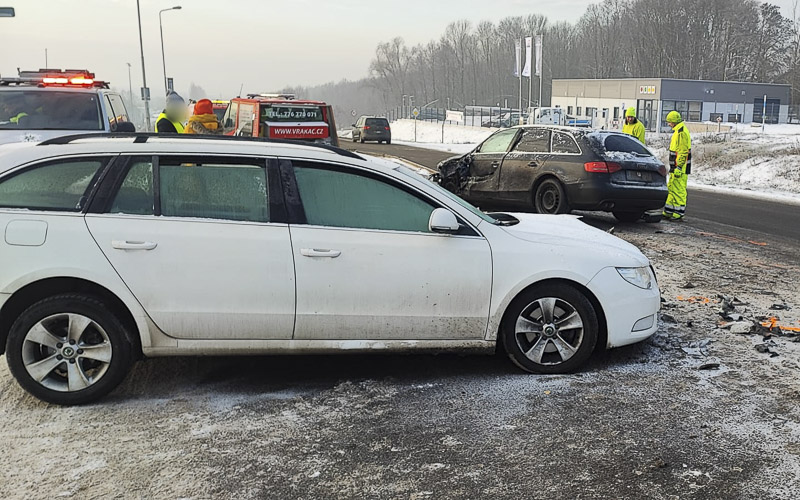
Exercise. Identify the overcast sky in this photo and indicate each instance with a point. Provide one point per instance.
(221, 44)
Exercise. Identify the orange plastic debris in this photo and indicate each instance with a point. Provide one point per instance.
(773, 322)
(695, 300)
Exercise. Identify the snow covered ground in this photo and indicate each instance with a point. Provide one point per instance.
(746, 161)
(456, 149)
(431, 133)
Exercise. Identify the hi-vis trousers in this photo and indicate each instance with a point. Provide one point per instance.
(676, 198)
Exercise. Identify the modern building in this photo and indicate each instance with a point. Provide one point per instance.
(696, 100)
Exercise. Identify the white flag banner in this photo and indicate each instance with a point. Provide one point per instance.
(518, 59)
(538, 55)
(526, 71)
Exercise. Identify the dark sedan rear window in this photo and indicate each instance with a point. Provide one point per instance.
(620, 143)
(377, 122)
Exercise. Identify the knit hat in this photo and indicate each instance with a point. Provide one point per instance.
(630, 112)
(203, 107)
(174, 98)
(674, 117)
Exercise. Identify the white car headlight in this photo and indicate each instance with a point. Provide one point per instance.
(637, 276)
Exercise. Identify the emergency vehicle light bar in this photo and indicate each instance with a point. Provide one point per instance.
(45, 77)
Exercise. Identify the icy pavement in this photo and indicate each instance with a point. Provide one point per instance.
(639, 422)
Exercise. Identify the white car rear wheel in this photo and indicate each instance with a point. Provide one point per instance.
(68, 350)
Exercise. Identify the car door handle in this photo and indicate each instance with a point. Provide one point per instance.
(133, 245)
(533, 163)
(315, 252)
(495, 164)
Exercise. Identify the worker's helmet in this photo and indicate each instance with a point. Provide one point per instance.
(630, 112)
(674, 117)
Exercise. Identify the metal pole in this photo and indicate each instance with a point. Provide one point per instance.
(130, 87)
(519, 67)
(541, 74)
(46, 65)
(530, 90)
(144, 76)
(764, 114)
(163, 58)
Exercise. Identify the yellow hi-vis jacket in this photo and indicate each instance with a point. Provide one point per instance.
(680, 150)
(165, 128)
(635, 129)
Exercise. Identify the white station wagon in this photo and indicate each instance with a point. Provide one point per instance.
(117, 247)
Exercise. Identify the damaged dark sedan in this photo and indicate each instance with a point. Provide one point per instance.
(553, 170)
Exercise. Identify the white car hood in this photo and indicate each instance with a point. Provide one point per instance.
(568, 231)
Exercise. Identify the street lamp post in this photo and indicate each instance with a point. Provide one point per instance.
(163, 59)
(145, 97)
(130, 86)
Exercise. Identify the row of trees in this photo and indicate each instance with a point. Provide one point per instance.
(736, 40)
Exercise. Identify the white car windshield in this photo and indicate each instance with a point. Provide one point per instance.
(439, 189)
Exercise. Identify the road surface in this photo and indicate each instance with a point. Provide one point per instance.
(726, 214)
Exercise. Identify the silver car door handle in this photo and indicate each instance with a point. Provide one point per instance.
(315, 252)
(133, 245)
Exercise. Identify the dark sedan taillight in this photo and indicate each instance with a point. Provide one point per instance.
(605, 167)
(366, 127)
(662, 170)
(387, 128)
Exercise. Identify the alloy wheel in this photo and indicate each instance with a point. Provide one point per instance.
(549, 331)
(66, 352)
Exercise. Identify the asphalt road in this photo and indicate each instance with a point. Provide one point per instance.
(725, 214)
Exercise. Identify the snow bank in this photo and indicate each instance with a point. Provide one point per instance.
(430, 132)
(747, 162)
(767, 174)
(456, 149)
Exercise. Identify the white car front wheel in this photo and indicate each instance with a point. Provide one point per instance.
(550, 329)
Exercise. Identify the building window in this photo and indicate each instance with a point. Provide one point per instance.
(691, 111)
(695, 109)
(569, 110)
(616, 113)
(734, 118)
(578, 111)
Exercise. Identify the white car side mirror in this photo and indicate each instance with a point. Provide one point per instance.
(443, 221)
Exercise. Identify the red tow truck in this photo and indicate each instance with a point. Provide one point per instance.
(281, 116)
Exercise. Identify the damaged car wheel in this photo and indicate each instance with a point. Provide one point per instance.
(550, 329)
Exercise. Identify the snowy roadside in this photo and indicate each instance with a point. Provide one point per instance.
(434, 133)
(456, 149)
(745, 162)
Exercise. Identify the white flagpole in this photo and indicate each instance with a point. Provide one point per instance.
(519, 65)
(541, 72)
(529, 48)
